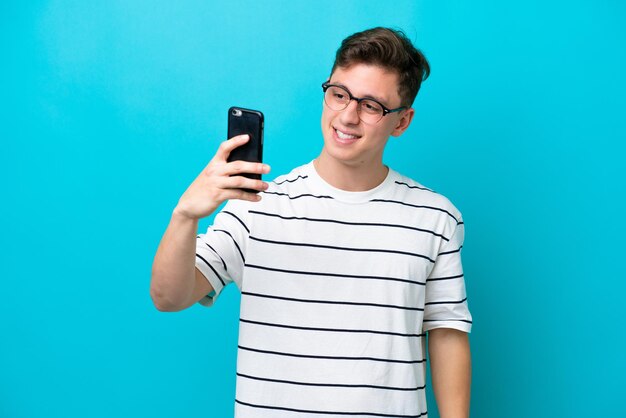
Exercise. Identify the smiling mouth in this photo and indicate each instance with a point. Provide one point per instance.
(345, 136)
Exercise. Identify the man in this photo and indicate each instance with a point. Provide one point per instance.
(343, 264)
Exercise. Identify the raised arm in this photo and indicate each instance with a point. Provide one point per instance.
(175, 283)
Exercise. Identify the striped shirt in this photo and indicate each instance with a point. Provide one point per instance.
(337, 291)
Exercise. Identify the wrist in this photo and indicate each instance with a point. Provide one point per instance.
(179, 215)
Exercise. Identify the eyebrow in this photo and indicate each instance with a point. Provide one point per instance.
(369, 96)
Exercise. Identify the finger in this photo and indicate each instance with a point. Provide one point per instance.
(227, 146)
(245, 167)
(230, 194)
(251, 197)
(240, 182)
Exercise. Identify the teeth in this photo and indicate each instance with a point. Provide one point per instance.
(344, 136)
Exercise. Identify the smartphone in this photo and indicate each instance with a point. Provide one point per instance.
(246, 121)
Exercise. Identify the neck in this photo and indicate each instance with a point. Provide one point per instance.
(350, 178)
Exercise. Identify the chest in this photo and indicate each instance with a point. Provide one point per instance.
(366, 240)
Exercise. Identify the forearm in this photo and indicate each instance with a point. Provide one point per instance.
(173, 269)
(450, 366)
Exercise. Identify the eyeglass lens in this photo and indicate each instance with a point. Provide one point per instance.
(338, 99)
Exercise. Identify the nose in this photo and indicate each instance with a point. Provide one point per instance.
(350, 115)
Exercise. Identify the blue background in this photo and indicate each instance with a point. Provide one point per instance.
(110, 109)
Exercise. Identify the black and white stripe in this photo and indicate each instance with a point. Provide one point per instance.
(341, 222)
(327, 412)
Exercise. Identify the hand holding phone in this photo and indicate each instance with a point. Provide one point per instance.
(221, 180)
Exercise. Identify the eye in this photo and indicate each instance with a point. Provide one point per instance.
(371, 107)
(338, 94)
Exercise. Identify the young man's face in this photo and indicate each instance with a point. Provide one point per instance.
(348, 141)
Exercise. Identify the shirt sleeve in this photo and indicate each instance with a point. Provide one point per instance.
(446, 299)
(221, 251)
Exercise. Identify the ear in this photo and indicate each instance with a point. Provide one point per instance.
(403, 122)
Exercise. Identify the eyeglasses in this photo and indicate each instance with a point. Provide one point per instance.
(370, 110)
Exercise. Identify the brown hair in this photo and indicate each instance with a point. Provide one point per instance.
(390, 49)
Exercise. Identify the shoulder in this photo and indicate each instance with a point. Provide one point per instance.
(294, 181)
(411, 192)
(295, 175)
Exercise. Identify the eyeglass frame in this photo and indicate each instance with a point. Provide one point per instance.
(327, 84)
